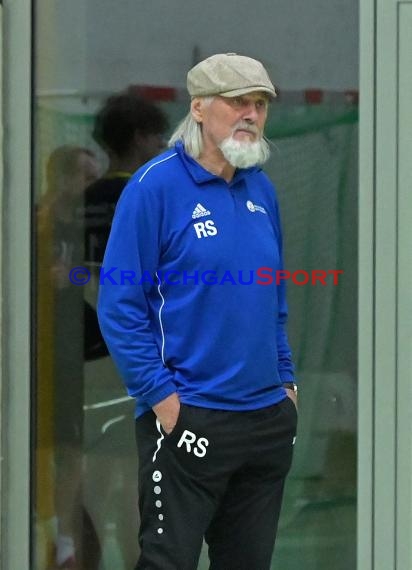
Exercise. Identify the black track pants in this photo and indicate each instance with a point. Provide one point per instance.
(218, 475)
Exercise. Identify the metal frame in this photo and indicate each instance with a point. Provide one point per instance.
(16, 232)
(366, 292)
(385, 328)
(1, 244)
(404, 299)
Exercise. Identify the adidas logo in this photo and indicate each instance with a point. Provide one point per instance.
(199, 212)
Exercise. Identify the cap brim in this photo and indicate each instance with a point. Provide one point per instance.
(245, 90)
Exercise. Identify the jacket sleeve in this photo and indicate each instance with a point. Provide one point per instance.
(124, 315)
(285, 364)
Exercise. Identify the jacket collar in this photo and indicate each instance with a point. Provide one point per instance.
(200, 175)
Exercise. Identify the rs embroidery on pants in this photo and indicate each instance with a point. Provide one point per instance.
(189, 438)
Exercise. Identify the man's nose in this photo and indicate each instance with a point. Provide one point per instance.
(250, 113)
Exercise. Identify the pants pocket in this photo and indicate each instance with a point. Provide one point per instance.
(179, 426)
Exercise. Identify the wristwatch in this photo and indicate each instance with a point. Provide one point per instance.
(291, 386)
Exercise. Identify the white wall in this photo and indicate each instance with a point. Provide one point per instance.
(91, 45)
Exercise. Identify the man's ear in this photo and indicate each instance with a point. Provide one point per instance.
(196, 108)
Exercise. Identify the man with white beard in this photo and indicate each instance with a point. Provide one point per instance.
(205, 353)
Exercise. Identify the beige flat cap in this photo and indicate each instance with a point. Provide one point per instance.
(228, 75)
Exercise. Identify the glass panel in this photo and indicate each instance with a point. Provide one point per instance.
(315, 166)
(85, 461)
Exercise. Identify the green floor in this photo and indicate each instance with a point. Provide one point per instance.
(319, 535)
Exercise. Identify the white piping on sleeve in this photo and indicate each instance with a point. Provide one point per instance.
(155, 164)
(160, 320)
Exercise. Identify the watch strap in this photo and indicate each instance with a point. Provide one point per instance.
(291, 386)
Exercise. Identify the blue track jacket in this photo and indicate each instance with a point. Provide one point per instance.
(188, 300)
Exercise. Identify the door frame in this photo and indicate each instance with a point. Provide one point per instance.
(16, 286)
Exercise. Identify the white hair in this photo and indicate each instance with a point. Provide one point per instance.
(189, 132)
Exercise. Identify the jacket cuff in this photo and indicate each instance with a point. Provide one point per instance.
(287, 377)
(159, 393)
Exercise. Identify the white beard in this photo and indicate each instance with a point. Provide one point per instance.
(243, 154)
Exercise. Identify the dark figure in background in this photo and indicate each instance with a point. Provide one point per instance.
(70, 169)
(131, 131)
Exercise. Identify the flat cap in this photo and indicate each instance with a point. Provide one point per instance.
(228, 75)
